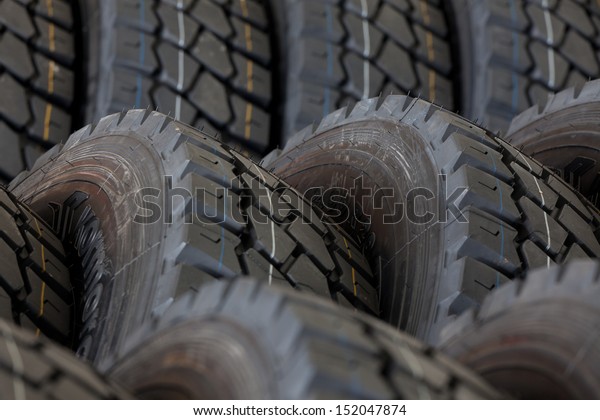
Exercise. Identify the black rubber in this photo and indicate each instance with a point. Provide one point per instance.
(35, 369)
(176, 208)
(329, 48)
(204, 62)
(515, 52)
(243, 340)
(564, 135)
(37, 79)
(36, 290)
(492, 213)
(537, 339)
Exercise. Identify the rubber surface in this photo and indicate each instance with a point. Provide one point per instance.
(564, 135)
(515, 52)
(175, 208)
(448, 212)
(536, 339)
(336, 52)
(36, 275)
(204, 62)
(35, 369)
(38, 107)
(243, 340)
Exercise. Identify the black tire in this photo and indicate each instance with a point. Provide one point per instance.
(493, 213)
(36, 275)
(235, 218)
(564, 135)
(206, 63)
(515, 52)
(34, 369)
(331, 47)
(38, 65)
(536, 339)
(243, 340)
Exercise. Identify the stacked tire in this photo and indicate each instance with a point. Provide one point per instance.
(164, 256)
(258, 71)
(223, 66)
(243, 220)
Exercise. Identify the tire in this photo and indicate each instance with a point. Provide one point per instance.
(515, 52)
(492, 213)
(170, 208)
(327, 59)
(243, 340)
(536, 339)
(206, 63)
(37, 275)
(563, 135)
(35, 369)
(38, 79)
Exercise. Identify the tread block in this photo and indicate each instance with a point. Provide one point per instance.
(535, 256)
(482, 191)
(211, 249)
(260, 269)
(271, 238)
(571, 220)
(14, 108)
(543, 229)
(474, 154)
(535, 189)
(306, 276)
(313, 244)
(477, 280)
(486, 239)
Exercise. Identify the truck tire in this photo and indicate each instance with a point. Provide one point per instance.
(336, 53)
(537, 339)
(243, 340)
(207, 63)
(38, 276)
(168, 208)
(443, 209)
(38, 80)
(515, 52)
(34, 369)
(564, 135)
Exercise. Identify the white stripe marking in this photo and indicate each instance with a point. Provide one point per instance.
(180, 78)
(367, 50)
(273, 243)
(549, 261)
(550, 41)
(17, 362)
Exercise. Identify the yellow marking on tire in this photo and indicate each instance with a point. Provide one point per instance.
(249, 70)
(430, 49)
(52, 47)
(353, 271)
(43, 291)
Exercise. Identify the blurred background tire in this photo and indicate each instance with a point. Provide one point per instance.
(39, 76)
(564, 134)
(537, 339)
(206, 63)
(243, 340)
(513, 53)
(335, 53)
(34, 369)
